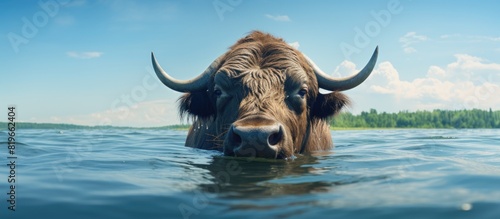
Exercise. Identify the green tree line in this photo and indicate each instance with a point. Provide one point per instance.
(474, 118)
(33, 125)
(420, 119)
(63, 126)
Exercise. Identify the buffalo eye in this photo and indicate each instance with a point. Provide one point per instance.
(217, 92)
(302, 93)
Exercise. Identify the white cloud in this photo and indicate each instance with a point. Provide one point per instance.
(412, 37)
(64, 20)
(294, 44)
(469, 38)
(84, 55)
(409, 50)
(436, 72)
(409, 39)
(278, 17)
(447, 36)
(417, 89)
(143, 114)
(469, 82)
(472, 63)
(346, 68)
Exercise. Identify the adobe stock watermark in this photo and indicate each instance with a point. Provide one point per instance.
(137, 94)
(372, 29)
(31, 26)
(223, 6)
(75, 155)
(121, 105)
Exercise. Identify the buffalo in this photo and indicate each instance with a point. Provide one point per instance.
(261, 99)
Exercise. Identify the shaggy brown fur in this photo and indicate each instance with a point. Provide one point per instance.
(262, 75)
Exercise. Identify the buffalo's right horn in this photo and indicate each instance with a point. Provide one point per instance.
(196, 84)
(340, 84)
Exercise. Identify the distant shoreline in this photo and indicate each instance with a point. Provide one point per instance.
(436, 119)
(63, 126)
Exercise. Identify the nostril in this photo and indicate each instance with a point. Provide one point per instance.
(236, 138)
(275, 138)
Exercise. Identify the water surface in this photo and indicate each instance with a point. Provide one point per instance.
(150, 174)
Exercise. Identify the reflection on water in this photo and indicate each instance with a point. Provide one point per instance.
(253, 178)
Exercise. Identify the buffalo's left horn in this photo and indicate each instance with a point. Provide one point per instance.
(196, 84)
(339, 84)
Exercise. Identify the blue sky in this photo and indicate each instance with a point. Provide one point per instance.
(88, 62)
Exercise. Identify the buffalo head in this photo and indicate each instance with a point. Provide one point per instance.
(261, 98)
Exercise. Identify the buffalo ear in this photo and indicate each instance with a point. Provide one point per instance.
(328, 105)
(196, 104)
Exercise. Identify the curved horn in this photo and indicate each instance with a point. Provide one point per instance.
(196, 84)
(339, 84)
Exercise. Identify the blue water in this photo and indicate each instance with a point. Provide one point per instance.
(150, 174)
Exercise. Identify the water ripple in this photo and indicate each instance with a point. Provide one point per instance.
(150, 174)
